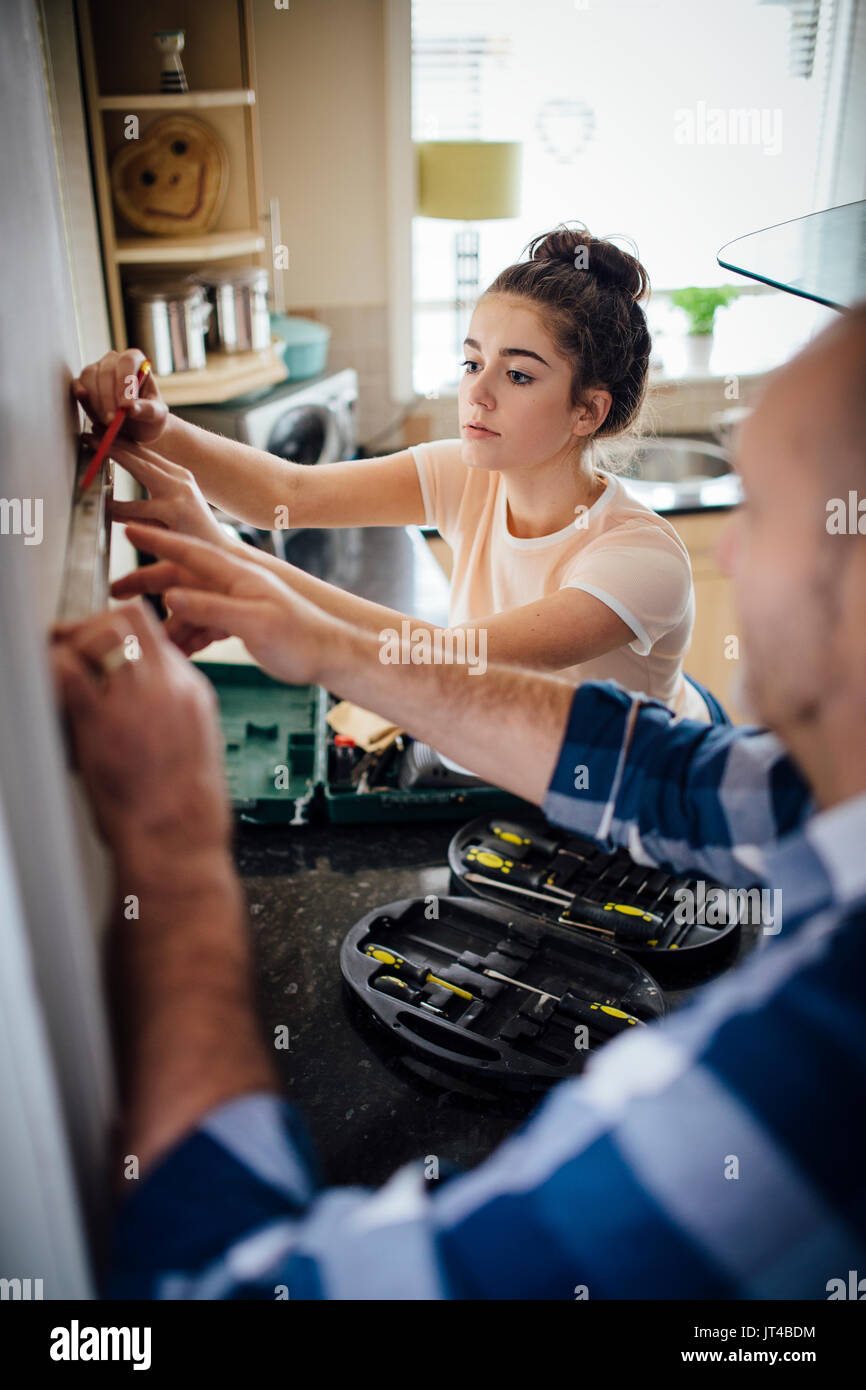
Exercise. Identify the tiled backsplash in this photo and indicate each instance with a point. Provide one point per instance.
(359, 339)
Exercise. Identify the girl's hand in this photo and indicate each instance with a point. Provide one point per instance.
(176, 500)
(104, 386)
(216, 591)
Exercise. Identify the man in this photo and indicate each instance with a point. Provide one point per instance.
(707, 1156)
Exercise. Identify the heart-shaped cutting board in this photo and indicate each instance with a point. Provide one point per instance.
(173, 180)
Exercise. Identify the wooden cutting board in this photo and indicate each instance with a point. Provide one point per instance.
(172, 181)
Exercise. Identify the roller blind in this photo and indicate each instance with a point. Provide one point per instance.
(806, 16)
(460, 49)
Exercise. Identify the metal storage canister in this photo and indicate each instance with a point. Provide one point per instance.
(169, 320)
(241, 320)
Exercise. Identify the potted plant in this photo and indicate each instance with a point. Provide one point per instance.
(700, 306)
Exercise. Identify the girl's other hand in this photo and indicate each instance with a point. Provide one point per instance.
(104, 386)
(176, 501)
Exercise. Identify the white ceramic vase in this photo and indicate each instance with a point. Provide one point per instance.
(699, 350)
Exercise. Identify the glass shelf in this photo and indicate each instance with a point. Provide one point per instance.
(820, 257)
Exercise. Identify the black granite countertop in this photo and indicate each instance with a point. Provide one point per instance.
(368, 1112)
(391, 565)
(306, 886)
(369, 1107)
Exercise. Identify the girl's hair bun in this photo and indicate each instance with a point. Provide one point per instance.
(611, 267)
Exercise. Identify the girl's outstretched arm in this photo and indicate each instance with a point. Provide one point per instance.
(250, 484)
(549, 634)
(274, 494)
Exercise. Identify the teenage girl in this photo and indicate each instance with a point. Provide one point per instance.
(559, 566)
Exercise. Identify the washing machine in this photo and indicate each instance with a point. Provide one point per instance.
(310, 422)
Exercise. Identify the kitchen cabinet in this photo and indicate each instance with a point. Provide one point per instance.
(121, 77)
(713, 657)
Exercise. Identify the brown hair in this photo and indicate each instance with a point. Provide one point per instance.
(590, 304)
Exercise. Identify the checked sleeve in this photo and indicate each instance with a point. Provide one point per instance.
(683, 795)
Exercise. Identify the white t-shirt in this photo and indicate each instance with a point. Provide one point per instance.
(618, 550)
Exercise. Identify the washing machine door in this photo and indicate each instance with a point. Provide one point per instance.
(304, 434)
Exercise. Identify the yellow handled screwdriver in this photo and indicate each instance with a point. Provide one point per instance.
(398, 989)
(630, 923)
(518, 836)
(490, 861)
(583, 1010)
(419, 973)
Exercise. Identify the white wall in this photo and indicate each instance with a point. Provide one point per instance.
(53, 876)
(321, 84)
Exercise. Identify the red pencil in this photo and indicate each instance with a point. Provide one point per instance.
(111, 433)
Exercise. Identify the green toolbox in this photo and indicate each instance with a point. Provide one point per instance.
(282, 765)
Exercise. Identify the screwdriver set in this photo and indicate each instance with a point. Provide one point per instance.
(483, 989)
(571, 883)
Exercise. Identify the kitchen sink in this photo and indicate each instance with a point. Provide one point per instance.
(671, 474)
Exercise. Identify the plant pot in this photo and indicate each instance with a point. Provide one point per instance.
(699, 350)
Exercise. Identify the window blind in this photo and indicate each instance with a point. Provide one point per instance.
(806, 17)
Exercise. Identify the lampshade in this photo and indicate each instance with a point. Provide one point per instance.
(469, 180)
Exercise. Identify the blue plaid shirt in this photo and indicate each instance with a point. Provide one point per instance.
(707, 1156)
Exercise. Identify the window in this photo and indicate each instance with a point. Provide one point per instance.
(677, 125)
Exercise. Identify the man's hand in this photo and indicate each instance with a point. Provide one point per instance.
(145, 736)
(507, 725)
(104, 386)
(214, 591)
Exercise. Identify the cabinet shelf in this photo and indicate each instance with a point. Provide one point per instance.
(224, 84)
(175, 250)
(226, 375)
(177, 101)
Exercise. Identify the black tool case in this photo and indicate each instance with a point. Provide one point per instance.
(678, 953)
(587, 993)
(277, 754)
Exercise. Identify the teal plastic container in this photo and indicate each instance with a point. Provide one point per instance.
(276, 740)
(274, 753)
(305, 345)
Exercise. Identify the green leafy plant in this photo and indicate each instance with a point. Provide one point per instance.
(701, 304)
